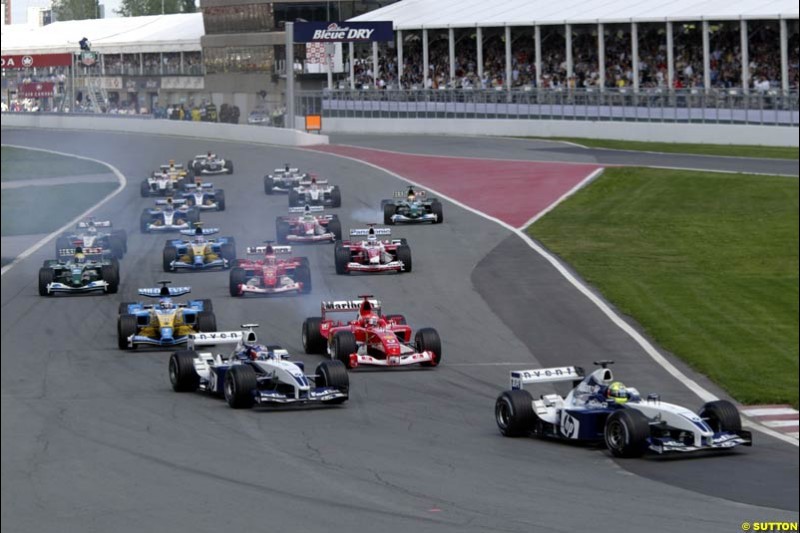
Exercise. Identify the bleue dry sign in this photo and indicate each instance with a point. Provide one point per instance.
(342, 32)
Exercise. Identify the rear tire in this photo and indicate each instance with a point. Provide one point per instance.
(282, 231)
(144, 222)
(117, 246)
(626, 433)
(219, 197)
(428, 339)
(206, 321)
(722, 416)
(228, 251)
(182, 374)
(344, 344)
(126, 326)
(237, 277)
(313, 341)
(513, 412)
(336, 197)
(169, 255)
(240, 383)
(302, 274)
(333, 374)
(46, 276)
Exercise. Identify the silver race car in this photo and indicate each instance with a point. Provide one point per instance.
(284, 179)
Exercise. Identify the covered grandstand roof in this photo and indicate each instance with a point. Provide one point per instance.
(159, 33)
(417, 14)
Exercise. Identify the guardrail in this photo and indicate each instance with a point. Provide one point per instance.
(715, 107)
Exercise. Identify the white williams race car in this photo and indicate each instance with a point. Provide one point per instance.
(210, 163)
(284, 179)
(254, 374)
(599, 409)
(315, 192)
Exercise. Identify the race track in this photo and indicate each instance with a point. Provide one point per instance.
(94, 439)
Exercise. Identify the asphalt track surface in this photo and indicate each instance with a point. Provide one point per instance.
(94, 439)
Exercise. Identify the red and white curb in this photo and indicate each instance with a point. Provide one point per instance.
(781, 418)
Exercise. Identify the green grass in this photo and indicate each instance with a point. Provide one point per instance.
(42, 209)
(769, 152)
(21, 164)
(707, 263)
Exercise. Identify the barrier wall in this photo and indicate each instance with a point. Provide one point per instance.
(624, 131)
(197, 130)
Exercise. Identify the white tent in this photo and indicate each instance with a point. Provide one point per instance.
(418, 14)
(129, 35)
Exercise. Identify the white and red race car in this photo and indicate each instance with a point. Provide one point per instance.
(372, 254)
(308, 224)
(270, 275)
(371, 338)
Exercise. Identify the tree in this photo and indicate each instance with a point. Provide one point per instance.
(140, 8)
(76, 9)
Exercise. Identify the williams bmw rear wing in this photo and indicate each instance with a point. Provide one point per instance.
(545, 375)
(213, 338)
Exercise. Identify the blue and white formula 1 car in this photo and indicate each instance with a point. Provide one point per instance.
(284, 179)
(163, 324)
(199, 253)
(91, 234)
(168, 215)
(412, 206)
(210, 163)
(204, 196)
(598, 409)
(253, 373)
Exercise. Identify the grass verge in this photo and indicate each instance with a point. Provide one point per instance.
(768, 152)
(707, 263)
(42, 209)
(21, 164)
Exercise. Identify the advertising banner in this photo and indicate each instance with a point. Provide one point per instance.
(342, 32)
(36, 90)
(183, 83)
(36, 60)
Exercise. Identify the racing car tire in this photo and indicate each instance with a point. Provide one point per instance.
(144, 189)
(208, 305)
(169, 255)
(228, 251)
(182, 374)
(144, 222)
(46, 276)
(428, 339)
(122, 235)
(336, 196)
(219, 197)
(117, 246)
(294, 198)
(388, 212)
(721, 415)
(313, 341)
(335, 227)
(240, 382)
(110, 275)
(341, 257)
(197, 169)
(269, 184)
(229, 166)
(282, 231)
(513, 412)
(193, 215)
(206, 321)
(333, 374)
(237, 277)
(404, 255)
(626, 433)
(302, 274)
(436, 209)
(123, 308)
(384, 203)
(62, 243)
(344, 344)
(126, 326)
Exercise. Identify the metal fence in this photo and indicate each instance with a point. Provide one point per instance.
(714, 107)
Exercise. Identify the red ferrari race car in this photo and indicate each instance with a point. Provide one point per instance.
(371, 338)
(270, 275)
(372, 254)
(308, 224)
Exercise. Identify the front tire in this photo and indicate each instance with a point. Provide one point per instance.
(169, 255)
(344, 344)
(238, 277)
(46, 276)
(269, 185)
(722, 416)
(388, 213)
(341, 256)
(219, 197)
(333, 374)
(240, 385)
(404, 255)
(126, 326)
(436, 209)
(336, 196)
(427, 339)
(513, 412)
(626, 433)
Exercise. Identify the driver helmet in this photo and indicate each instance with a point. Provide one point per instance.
(313, 182)
(198, 235)
(411, 195)
(617, 392)
(169, 206)
(171, 163)
(80, 257)
(166, 303)
(286, 167)
(371, 237)
(210, 155)
(91, 228)
(270, 260)
(372, 320)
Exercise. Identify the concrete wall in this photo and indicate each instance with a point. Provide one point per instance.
(197, 130)
(626, 131)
